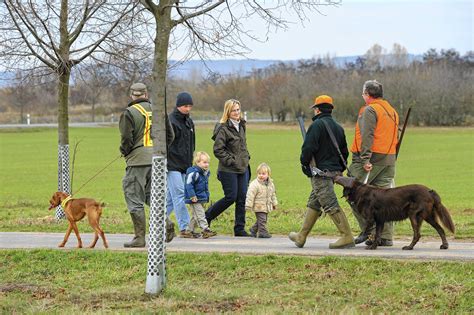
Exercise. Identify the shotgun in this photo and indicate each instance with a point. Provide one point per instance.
(403, 131)
(312, 165)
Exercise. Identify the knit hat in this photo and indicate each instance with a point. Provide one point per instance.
(323, 101)
(184, 98)
(138, 89)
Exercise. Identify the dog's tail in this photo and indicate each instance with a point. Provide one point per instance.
(442, 212)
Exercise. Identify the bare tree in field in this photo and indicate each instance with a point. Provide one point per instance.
(203, 28)
(53, 37)
(95, 79)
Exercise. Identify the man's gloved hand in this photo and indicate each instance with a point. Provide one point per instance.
(306, 170)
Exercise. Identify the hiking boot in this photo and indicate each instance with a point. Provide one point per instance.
(208, 233)
(264, 235)
(242, 233)
(196, 235)
(170, 233)
(361, 238)
(382, 242)
(186, 234)
(253, 231)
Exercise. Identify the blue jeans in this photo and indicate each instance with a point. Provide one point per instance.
(175, 198)
(235, 190)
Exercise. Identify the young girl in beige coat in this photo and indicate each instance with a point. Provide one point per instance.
(261, 199)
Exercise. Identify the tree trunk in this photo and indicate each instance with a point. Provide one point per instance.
(156, 274)
(160, 64)
(93, 110)
(63, 71)
(63, 115)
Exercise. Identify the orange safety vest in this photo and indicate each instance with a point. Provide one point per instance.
(386, 130)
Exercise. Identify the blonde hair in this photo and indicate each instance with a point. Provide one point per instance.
(228, 109)
(198, 157)
(263, 167)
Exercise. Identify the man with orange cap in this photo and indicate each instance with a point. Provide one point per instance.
(374, 150)
(319, 146)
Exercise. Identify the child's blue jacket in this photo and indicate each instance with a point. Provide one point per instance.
(196, 184)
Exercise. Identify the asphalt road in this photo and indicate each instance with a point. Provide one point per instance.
(277, 245)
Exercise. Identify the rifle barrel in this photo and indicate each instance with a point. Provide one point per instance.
(403, 131)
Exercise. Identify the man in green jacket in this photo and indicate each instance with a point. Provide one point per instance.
(136, 146)
(318, 146)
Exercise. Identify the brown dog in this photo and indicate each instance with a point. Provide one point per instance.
(75, 210)
(380, 205)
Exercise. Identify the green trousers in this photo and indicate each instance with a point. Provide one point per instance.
(322, 197)
(136, 186)
(380, 176)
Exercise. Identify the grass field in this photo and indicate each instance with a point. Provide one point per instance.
(440, 158)
(87, 281)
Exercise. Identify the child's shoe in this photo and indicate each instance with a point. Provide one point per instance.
(208, 233)
(196, 235)
(186, 234)
(253, 231)
(264, 235)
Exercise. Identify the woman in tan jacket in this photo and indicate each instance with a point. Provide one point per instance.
(261, 199)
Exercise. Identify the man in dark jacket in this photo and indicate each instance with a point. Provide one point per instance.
(136, 146)
(318, 146)
(180, 158)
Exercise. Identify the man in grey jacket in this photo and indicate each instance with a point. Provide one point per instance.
(374, 150)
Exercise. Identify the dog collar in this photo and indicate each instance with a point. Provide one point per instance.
(65, 201)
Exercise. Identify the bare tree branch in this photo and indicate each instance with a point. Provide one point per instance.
(185, 17)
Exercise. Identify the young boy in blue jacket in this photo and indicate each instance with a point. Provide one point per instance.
(196, 193)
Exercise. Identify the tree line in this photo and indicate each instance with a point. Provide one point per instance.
(438, 87)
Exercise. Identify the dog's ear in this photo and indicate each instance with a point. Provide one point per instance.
(346, 182)
(54, 201)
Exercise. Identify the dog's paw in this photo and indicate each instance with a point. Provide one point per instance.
(407, 247)
(444, 246)
(61, 245)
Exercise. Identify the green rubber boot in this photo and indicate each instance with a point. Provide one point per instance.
(310, 219)
(139, 225)
(340, 220)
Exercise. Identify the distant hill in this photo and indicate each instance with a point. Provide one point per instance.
(242, 66)
(199, 68)
(222, 67)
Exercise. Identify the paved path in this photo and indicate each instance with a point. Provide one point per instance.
(277, 245)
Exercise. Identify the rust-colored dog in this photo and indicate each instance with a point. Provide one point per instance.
(75, 210)
(380, 205)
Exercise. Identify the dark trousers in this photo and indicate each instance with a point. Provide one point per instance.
(260, 225)
(235, 190)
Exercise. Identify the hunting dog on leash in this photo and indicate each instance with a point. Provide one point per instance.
(380, 205)
(75, 210)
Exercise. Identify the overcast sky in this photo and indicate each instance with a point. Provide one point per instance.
(356, 25)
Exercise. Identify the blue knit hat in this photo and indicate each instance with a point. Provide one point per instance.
(184, 98)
